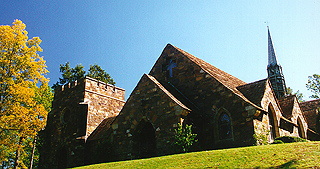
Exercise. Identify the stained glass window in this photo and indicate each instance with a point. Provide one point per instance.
(224, 127)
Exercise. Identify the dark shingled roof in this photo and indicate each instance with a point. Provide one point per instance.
(310, 112)
(286, 104)
(224, 78)
(254, 91)
(310, 105)
(102, 129)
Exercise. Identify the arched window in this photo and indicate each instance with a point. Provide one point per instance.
(224, 126)
(273, 123)
(65, 115)
(300, 128)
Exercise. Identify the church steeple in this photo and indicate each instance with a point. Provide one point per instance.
(275, 71)
(272, 60)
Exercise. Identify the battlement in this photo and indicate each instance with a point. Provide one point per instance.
(92, 85)
(101, 88)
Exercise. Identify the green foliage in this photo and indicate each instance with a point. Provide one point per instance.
(184, 138)
(294, 155)
(290, 139)
(261, 137)
(95, 71)
(70, 74)
(314, 85)
(278, 142)
(298, 94)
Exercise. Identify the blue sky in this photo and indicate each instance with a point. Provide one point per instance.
(126, 37)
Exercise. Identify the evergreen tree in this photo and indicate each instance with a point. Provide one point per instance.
(98, 73)
(70, 74)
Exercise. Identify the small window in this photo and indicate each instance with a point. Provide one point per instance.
(65, 116)
(225, 131)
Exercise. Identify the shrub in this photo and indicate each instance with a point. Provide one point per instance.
(290, 139)
(278, 142)
(184, 138)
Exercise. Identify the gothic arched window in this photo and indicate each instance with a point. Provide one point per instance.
(225, 131)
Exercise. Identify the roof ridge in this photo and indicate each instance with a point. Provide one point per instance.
(254, 82)
(226, 79)
(194, 57)
(310, 101)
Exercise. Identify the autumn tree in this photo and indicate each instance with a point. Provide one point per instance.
(25, 97)
(314, 85)
(70, 74)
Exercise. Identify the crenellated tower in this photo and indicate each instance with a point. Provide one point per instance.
(275, 71)
(77, 110)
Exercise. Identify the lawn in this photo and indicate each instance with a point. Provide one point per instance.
(290, 155)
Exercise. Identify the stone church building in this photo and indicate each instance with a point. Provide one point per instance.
(91, 122)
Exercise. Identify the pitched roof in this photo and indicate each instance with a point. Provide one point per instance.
(310, 105)
(224, 78)
(286, 104)
(102, 128)
(254, 91)
(310, 112)
(154, 80)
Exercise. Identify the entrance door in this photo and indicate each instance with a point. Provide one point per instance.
(144, 140)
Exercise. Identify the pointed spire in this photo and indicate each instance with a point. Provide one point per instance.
(272, 60)
(275, 71)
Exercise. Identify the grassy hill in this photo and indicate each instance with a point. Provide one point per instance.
(290, 155)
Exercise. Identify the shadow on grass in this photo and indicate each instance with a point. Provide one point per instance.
(288, 164)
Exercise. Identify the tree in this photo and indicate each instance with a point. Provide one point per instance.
(314, 85)
(98, 73)
(298, 94)
(69, 74)
(24, 92)
(72, 74)
(184, 138)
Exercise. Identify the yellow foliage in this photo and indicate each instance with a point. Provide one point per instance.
(23, 89)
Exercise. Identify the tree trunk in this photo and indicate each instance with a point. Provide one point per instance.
(33, 150)
(18, 153)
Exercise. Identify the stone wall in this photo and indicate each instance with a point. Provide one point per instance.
(268, 103)
(206, 96)
(148, 102)
(104, 101)
(66, 125)
(285, 127)
(77, 109)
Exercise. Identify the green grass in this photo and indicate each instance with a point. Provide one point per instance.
(290, 155)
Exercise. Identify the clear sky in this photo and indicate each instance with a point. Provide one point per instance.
(126, 37)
